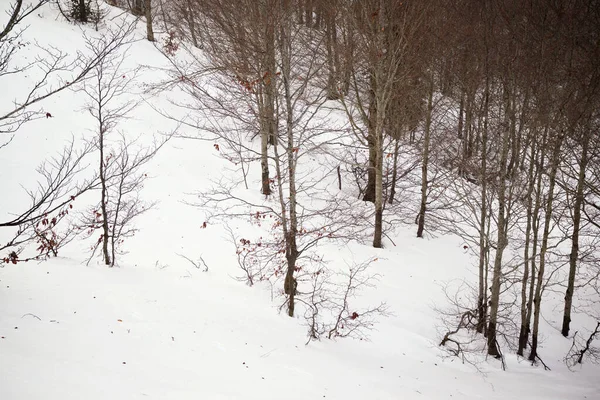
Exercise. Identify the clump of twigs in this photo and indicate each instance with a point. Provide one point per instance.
(330, 310)
(583, 348)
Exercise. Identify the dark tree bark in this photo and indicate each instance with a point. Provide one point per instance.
(103, 199)
(331, 45)
(482, 305)
(574, 255)
(137, 7)
(425, 161)
(83, 11)
(372, 143)
(537, 301)
(394, 171)
(308, 9)
(148, 12)
(502, 229)
(524, 330)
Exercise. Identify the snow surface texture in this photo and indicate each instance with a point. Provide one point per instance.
(158, 328)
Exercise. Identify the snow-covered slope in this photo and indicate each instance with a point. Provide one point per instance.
(158, 328)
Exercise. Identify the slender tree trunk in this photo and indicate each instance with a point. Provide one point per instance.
(466, 138)
(148, 11)
(425, 162)
(115, 221)
(264, 160)
(264, 143)
(537, 301)
(482, 305)
(468, 128)
(516, 143)
(83, 11)
(137, 7)
(378, 153)
(308, 4)
(334, 43)
(378, 188)
(332, 90)
(502, 238)
(573, 257)
(524, 331)
(461, 110)
(372, 143)
(347, 64)
(394, 171)
(535, 227)
(103, 198)
(269, 81)
(379, 95)
(289, 283)
(292, 252)
(318, 15)
(301, 12)
(266, 98)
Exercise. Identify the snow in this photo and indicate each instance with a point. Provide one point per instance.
(155, 327)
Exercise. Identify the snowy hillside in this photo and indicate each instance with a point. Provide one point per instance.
(157, 327)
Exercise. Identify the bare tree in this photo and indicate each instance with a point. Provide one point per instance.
(299, 215)
(583, 348)
(425, 160)
(120, 162)
(386, 37)
(58, 187)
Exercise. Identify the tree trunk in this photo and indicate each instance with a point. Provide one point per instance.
(425, 162)
(292, 252)
(394, 171)
(335, 46)
(347, 64)
(372, 143)
(502, 237)
(524, 331)
(332, 90)
(377, 236)
(516, 144)
(483, 248)
(83, 11)
(318, 15)
(103, 199)
(468, 129)
(378, 188)
(461, 110)
(269, 82)
(301, 12)
(148, 11)
(573, 257)
(308, 4)
(138, 7)
(535, 228)
(537, 301)
(383, 72)
(264, 161)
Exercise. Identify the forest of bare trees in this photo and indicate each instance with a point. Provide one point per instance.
(495, 103)
(475, 118)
